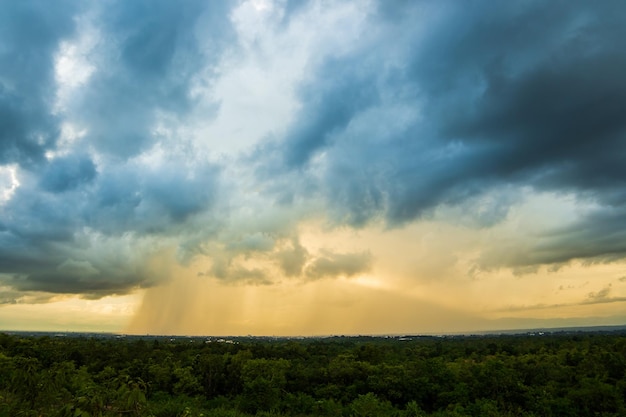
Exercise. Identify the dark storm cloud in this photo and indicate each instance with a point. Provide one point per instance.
(21, 297)
(332, 101)
(151, 54)
(66, 173)
(34, 250)
(30, 32)
(171, 195)
(89, 285)
(75, 237)
(80, 222)
(539, 100)
(50, 266)
(597, 237)
(513, 93)
(432, 105)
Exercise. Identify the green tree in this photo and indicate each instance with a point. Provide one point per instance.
(369, 405)
(264, 381)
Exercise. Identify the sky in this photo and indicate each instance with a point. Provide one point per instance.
(281, 167)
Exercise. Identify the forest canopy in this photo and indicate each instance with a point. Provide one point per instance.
(560, 374)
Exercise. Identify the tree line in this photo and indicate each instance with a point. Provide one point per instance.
(569, 374)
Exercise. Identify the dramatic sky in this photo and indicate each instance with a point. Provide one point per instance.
(311, 167)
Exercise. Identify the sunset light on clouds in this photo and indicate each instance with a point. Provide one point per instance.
(311, 167)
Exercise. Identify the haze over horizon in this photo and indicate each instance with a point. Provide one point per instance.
(311, 167)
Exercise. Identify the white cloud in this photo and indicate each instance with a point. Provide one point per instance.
(257, 81)
(72, 64)
(8, 182)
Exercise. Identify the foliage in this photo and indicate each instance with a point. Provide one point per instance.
(562, 374)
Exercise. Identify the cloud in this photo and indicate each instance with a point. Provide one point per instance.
(150, 56)
(601, 295)
(331, 102)
(292, 259)
(30, 33)
(84, 262)
(481, 100)
(112, 224)
(10, 297)
(242, 275)
(593, 298)
(108, 205)
(591, 236)
(67, 173)
(331, 265)
(391, 113)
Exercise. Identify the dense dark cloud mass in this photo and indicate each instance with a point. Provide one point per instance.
(529, 94)
(69, 224)
(331, 101)
(151, 55)
(66, 173)
(29, 35)
(105, 109)
(596, 238)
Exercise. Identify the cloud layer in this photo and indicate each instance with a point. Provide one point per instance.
(129, 129)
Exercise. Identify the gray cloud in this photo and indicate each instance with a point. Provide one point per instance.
(292, 259)
(99, 199)
(9, 296)
(47, 236)
(228, 268)
(63, 268)
(593, 238)
(30, 32)
(277, 258)
(331, 265)
(253, 276)
(253, 242)
(601, 295)
(151, 54)
(337, 94)
(514, 94)
(435, 107)
(67, 173)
